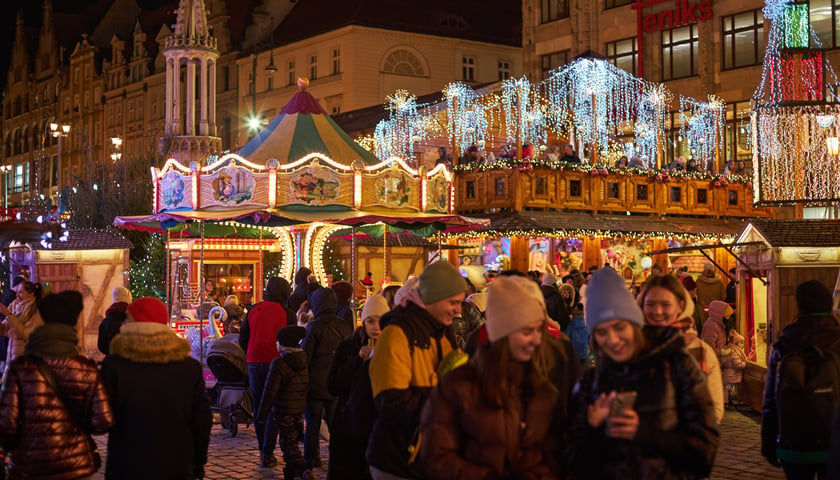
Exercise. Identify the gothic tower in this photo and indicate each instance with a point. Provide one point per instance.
(191, 54)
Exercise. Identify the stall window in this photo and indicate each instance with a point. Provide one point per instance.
(676, 194)
(501, 188)
(541, 185)
(612, 190)
(733, 197)
(471, 189)
(702, 196)
(575, 188)
(641, 192)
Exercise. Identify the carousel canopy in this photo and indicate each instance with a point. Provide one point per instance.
(301, 128)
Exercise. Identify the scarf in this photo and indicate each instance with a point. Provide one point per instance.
(53, 340)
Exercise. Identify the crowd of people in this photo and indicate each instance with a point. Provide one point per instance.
(438, 381)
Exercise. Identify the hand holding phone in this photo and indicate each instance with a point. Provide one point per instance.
(622, 401)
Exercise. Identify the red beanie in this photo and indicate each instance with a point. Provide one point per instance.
(149, 309)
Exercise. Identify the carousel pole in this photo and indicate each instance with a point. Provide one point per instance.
(201, 282)
(353, 267)
(168, 297)
(385, 268)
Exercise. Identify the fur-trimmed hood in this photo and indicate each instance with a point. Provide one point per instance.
(149, 343)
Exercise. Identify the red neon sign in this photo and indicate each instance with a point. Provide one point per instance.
(684, 13)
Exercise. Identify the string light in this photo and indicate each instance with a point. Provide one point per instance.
(396, 136)
(702, 123)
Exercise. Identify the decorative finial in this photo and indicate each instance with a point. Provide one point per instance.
(302, 83)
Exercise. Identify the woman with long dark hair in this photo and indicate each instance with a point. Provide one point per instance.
(643, 411)
(501, 415)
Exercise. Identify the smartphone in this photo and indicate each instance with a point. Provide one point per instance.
(622, 401)
(371, 341)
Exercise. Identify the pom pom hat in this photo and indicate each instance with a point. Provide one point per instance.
(512, 303)
(121, 294)
(608, 299)
(150, 310)
(440, 280)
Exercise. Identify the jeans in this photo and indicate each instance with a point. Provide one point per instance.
(378, 474)
(315, 409)
(266, 432)
(289, 426)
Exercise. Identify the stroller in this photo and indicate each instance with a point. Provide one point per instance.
(231, 396)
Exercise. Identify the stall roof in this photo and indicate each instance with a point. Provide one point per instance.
(88, 239)
(544, 221)
(794, 233)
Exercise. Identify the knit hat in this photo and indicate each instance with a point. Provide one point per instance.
(121, 294)
(512, 303)
(291, 335)
(719, 309)
(277, 289)
(813, 297)
(479, 300)
(438, 281)
(607, 298)
(548, 279)
(149, 309)
(63, 307)
(376, 305)
(708, 267)
(343, 291)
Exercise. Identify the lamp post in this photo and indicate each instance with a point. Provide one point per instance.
(116, 155)
(256, 120)
(5, 169)
(59, 132)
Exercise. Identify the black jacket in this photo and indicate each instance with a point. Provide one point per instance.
(468, 322)
(555, 306)
(285, 385)
(349, 381)
(323, 334)
(110, 326)
(822, 331)
(677, 436)
(161, 410)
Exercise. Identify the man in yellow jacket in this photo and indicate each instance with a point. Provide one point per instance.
(416, 336)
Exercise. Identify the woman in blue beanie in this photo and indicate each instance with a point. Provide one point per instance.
(643, 411)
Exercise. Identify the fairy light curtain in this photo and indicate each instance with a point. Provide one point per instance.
(465, 118)
(795, 115)
(702, 125)
(396, 136)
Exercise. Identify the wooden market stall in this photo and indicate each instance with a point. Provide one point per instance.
(777, 256)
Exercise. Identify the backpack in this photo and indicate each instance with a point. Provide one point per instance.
(807, 388)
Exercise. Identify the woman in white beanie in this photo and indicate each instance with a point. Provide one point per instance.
(666, 302)
(491, 417)
(348, 379)
(643, 410)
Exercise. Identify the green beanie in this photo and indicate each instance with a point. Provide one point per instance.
(440, 280)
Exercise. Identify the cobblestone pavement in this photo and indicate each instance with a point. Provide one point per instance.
(237, 457)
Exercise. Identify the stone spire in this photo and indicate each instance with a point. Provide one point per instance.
(191, 53)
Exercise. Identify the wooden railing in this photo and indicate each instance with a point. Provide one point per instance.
(599, 191)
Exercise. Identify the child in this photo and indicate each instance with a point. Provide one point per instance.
(733, 360)
(285, 392)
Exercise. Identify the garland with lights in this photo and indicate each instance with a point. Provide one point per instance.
(147, 276)
(592, 234)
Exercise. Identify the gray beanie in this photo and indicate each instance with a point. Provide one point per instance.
(440, 280)
(607, 298)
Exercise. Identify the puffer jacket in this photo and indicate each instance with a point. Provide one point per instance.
(285, 385)
(402, 374)
(464, 437)
(677, 436)
(733, 360)
(323, 335)
(822, 331)
(51, 445)
(555, 305)
(19, 325)
(160, 404)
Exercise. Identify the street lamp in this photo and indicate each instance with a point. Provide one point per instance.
(255, 122)
(5, 170)
(59, 132)
(117, 143)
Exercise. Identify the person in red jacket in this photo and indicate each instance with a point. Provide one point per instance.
(257, 338)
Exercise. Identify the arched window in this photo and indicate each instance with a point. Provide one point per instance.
(8, 145)
(24, 140)
(403, 62)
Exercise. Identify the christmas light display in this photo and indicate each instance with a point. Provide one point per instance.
(466, 122)
(793, 124)
(524, 120)
(404, 128)
(702, 125)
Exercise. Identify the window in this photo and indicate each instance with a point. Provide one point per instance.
(552, 61)
(702, 196)
(336, 110)
(501, 188)
(676, 194)
(541, 185)
(21, 182)
(641, 192)
(403, 62)
(504, 70)
(575, 189)
(617, 3)
(291, 71)
(471, 189)
(623, 54)
(468, 69)
(733, 197)
(679, 52)
(613, 190)
(554, 10)
(743, 39)
(313, 67)
(825, 20)
(336, 61)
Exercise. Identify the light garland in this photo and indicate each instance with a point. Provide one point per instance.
(397, 135)
(592, 234)
(702, 124)
(466, 122)
(793, 125)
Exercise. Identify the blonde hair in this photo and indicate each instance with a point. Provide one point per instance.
(231, 300)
